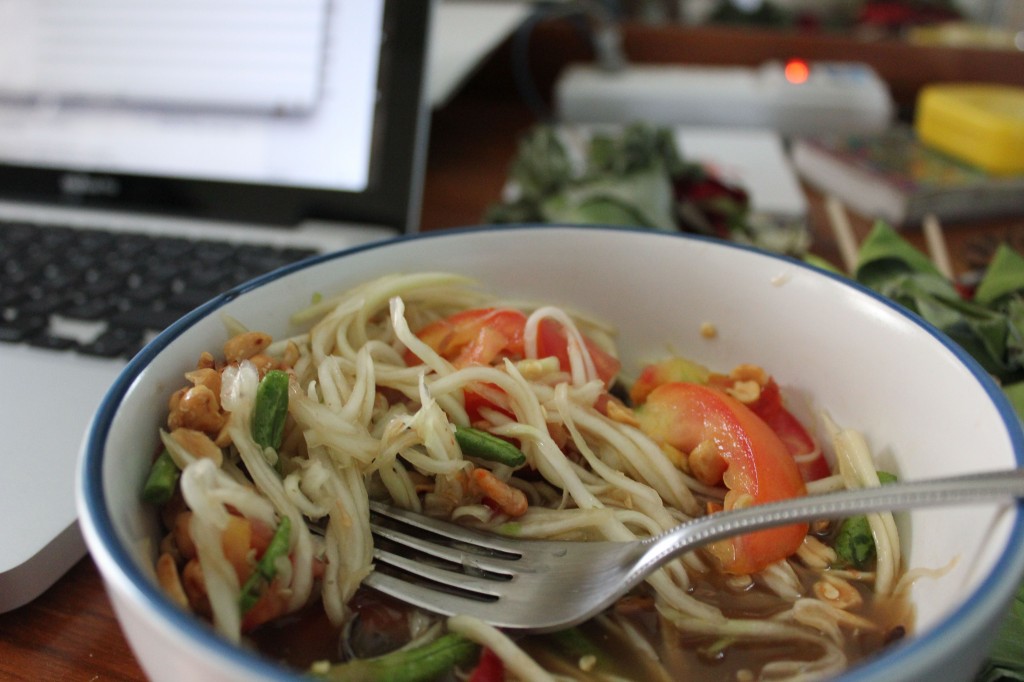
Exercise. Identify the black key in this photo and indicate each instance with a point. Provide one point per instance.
(144, 318)
(95, 242)
(10, 295)
(133, 245)
(295, 254)
(21, 328)
(23, 268)
(145, 292)
(90, 309)
(56, 238)
(258, 260)
(45, 304)
(53, 342)
(18, 233)
(211, 280)
(56, 278)
(189, 299)
(163, 271)
(172, 248)
(215, 252)
(114, 343)
(100, 288)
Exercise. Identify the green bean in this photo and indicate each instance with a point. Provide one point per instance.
(266, 567)
(477, 443)
(420, 664)
(573, 645)
(270, 409)
(162, 480)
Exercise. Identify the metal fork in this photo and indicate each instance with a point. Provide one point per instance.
(542, 585)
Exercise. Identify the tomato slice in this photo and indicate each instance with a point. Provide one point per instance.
(759, 467)
(477, 336)
(484, 335)
(672, 369)
(490, 668)
(475, 402)
(552, 341)
(798, 441)
(769, 405)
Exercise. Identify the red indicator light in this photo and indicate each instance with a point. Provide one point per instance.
(797, 71)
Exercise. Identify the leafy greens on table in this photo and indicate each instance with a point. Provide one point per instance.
(987, 322)
(632, 175)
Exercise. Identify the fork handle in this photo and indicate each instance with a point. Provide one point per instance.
(955, 490)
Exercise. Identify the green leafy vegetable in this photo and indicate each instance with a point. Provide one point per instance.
(989, 325)
(821, 263)
(162, 480)
(635, 176)
(1003, 278)
(642, 198)
(854, 543)
(420, 664)
(477, 443)
(266, 567)
(1006, 659)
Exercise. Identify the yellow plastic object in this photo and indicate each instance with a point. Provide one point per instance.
(980, 124)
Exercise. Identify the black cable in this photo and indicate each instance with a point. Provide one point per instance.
(580, 13)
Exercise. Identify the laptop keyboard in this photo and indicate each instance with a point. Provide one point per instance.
(106, 293)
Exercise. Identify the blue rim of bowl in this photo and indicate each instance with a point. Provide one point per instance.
(111, 555)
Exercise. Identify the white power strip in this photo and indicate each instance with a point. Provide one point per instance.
(824, 97)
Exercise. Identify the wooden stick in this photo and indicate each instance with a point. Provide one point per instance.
(843, 232)
(936, 244)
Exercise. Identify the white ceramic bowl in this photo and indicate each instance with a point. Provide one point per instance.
(925, 407)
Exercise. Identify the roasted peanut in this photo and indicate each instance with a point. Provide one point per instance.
(196, 408)
(263, 363)
(837, 592)
(677, 457)
(183, 536)
(745, 391)
(198, 444)
(290, 355)
(748, 372)
(618, 412)
(170, 581)
(245, 345)
(206, 376)
(195, 588)
(707, 464)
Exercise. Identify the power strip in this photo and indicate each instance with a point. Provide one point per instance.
(793, 98)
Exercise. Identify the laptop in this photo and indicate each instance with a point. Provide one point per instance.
(270, 130)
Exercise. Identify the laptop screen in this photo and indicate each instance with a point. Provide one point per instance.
(266, 110)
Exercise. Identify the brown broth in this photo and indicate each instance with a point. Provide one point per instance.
(308, 636)
(303, 638)
(702, 657)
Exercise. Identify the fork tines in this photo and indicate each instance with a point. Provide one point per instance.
(437, 565)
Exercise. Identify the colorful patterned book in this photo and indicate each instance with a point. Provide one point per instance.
(893, 176)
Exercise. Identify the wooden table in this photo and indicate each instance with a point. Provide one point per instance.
(70, 632)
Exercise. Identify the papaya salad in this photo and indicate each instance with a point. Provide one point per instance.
(426, 392)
